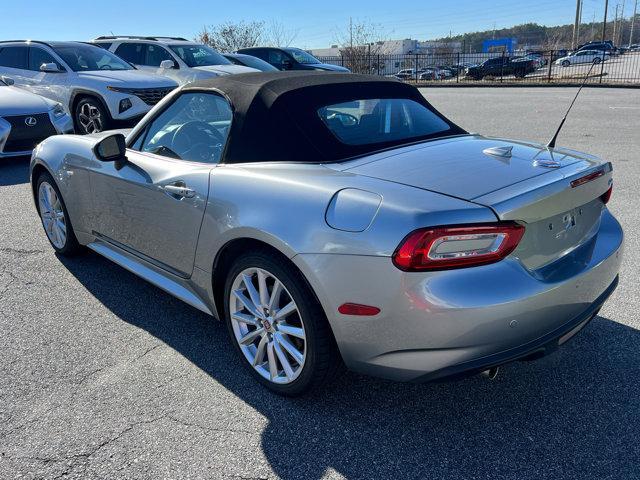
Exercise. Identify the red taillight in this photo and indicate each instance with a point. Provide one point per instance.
(357, 309)
(457, 246)
(606, 196)
(587, 178)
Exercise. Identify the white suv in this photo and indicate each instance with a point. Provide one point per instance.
(98, 88)
(174, 57)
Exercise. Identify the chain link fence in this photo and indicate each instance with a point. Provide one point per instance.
(552, 67)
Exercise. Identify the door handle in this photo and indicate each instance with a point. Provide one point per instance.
(179, 191)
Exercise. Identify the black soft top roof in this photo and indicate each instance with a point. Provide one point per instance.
(276, 117)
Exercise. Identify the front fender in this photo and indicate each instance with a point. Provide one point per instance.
(67, 159)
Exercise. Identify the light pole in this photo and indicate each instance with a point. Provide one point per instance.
(633, 21)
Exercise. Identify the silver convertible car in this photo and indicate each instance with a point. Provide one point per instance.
(335, 219)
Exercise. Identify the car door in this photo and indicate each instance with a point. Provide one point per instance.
(132, 53)
(48, 84)
(152, 205)
(14, 60)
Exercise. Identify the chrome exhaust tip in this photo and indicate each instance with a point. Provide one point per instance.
(491, 373)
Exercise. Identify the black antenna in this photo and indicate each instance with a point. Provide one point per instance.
(552, 142)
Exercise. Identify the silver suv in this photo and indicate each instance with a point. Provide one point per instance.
(98, 88)
(174, 57)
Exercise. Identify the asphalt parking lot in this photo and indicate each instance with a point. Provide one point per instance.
(105, 376)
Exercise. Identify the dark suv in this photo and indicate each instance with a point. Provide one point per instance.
(289, 58)
(500, 67)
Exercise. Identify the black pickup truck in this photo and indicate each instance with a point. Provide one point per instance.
(501, 67)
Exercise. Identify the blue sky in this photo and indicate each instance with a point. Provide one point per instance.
(318, 23)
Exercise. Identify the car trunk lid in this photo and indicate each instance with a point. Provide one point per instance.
(536, 186)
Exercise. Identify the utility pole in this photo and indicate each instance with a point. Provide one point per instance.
(621, 24)
(604, 23)
(576, 26)
(633, 21)
(351, 32)
(593, 24)
(615, 25)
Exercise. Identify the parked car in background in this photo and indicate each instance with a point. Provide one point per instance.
(583, 56)
(606, 46)
(98, 88)
(405, 74)
(250, 61)
(26, 119)
(429, 74)
(289, 58)
(501, 66)
(174, 57)
(332, 218)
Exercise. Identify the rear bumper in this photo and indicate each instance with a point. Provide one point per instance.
(440, 324)
(538, 348)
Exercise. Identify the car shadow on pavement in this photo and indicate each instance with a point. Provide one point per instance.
(574, 414)
(14, 171)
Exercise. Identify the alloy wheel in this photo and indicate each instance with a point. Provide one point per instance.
(52, 214)
(267, 325)
(90, 118)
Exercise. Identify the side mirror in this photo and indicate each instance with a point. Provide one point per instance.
(167, 64)
(7, 80)
(111, 148)
(50, 68)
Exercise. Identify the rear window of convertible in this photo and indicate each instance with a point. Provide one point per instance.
(380, 120)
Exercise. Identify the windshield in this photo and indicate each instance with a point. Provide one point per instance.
(257, 63)
(370, 121)
(86, 58)
(199, 55)
(301, 56)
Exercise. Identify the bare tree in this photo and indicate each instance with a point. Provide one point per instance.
(278, 35)
(229, 36)
(360, 44)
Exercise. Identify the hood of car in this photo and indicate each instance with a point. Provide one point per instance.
(226, 69)
(465, 167)
(329, 67)
(127, 78)
(15, 101)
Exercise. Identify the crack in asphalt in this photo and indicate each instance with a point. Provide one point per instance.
(79, 462)
(82, 459)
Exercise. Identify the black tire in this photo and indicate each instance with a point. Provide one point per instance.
(597, 60)
(322, 362)
(565, 63)
(71, 246)
(90, 116)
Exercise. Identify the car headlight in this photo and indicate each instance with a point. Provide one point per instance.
(58, 111)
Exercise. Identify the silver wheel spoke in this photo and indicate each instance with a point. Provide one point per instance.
(247, 303)
(284, 311)
(251, 336)
(273, 368)
(275, 294)
(291, 330)
(244, 318)
(262, 346)
(262, 288)
(293, 351)
(284, 361)
(253, 293)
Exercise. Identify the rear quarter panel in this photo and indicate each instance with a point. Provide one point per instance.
(284, 205)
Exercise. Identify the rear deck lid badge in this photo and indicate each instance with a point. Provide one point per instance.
(30, 121)
(547, 163)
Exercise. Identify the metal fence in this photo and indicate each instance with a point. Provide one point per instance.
(555, 66)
